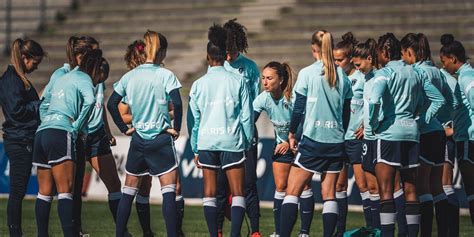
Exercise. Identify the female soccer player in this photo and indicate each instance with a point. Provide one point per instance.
(148, 89)
(364, 59)
(323, 94)
(416, 51)
(221, 130)
(71, 102)
(236, 45)
(454, 59)
(20, 102)
(398, 93)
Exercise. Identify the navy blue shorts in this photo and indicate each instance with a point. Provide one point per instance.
(151, 157)
(97, 144)
(369, 158)
(450, 151)
(465, 151)
(432, 148)
(354, 151)
(317, 157)
(53, 146)
(401, 154)
(220, 159)
(288, 158)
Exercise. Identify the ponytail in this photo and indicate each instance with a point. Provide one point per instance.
(78, 46)
(328, 59)
(347, 44)
(152, 45)
(424, 52)
(366, 49)
(91, 62)
(31, 50)
(71, 56)
(285, 73)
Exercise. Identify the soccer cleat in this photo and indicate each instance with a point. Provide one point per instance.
(219, 233)
(303, 235)
(181, 233)
(256, 234)
(274, 235)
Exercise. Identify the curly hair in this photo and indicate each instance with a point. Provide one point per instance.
(236, 37)
(391, 45)
(135, 54)
(216, 48)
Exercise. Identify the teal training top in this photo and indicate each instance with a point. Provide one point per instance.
(96, 120)
(278, 111)
(147, 89)
(466, 83)
(46, 97)
(249, 71)
(369, 83)
(357, 104)
(437, 79)
(220, 114)
(324, 104)
(71, 103)
(399, 91)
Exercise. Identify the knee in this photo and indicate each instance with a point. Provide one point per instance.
(340, 187)
(280, 187)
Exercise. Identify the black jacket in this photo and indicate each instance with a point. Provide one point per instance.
(19, 106)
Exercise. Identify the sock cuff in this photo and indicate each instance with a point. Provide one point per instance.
(341, 195)
(115, 196)
(307, 193)
(448, 189)
(398, 193)
(425, 198)
(142, 199)
(44, 197)
(209, 202)
(365, 195)
(374, 197)
(179, 198)
(65, 196)
(170, 188)
(330, 206)
(279, 195)
(238, 201)
(290, 199)
(129, 190)
(388, 218)
(470, 198)
(440, 197)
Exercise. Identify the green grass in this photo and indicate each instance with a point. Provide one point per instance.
(98, 222)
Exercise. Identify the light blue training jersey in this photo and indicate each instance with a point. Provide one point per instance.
(357, 104)
(220, 114)
(399, 91)
(147, 89)
(368, 84)
(71, 103)
(249, 71)
(278, 111)
(46, 96)
(324, 104)
(466, 83)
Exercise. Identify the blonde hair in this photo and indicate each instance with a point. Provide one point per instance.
(152, 45)
(28, 48)
(323, 40)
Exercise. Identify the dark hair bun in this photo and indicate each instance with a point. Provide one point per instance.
(349, 37)
(447, 39)
(217, 36)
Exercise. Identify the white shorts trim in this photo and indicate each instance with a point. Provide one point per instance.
(165, 172)
(42, 165)
(60, 160)
(235, 163)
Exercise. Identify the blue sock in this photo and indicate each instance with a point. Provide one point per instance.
(277, 201)
(114, 199)
(142, 205)
(441, 212)
(123, 211)
(401, 215)
(179, 213)
(388, 217)
(210, 213)
(237, 215)
(330, 213)
(306, 210)
(169, 209)
(365, 196)
(341, 199)
(289, 213)
(375, 209)
(65, 209)
(426, 210)
(453, 210)
(413, 218)
(42, 210)
(470, 200)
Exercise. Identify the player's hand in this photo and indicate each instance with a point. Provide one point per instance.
(196, 161)
(173, 133)
(130, 131)
(359, 133)
(282, 148)
(292, 142)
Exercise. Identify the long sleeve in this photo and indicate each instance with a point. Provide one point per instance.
(87, 93)
(451, 102)
(436, 98)
(178, 109)
(45, 100)
(112, 106)
(193, 120)
(246, 114)
(375, 97)
(14, 102)
(298, 112)
(346, 114)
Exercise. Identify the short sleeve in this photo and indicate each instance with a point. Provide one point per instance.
(121, 86)
(259, 103)
(301, 86)
(171, 83)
